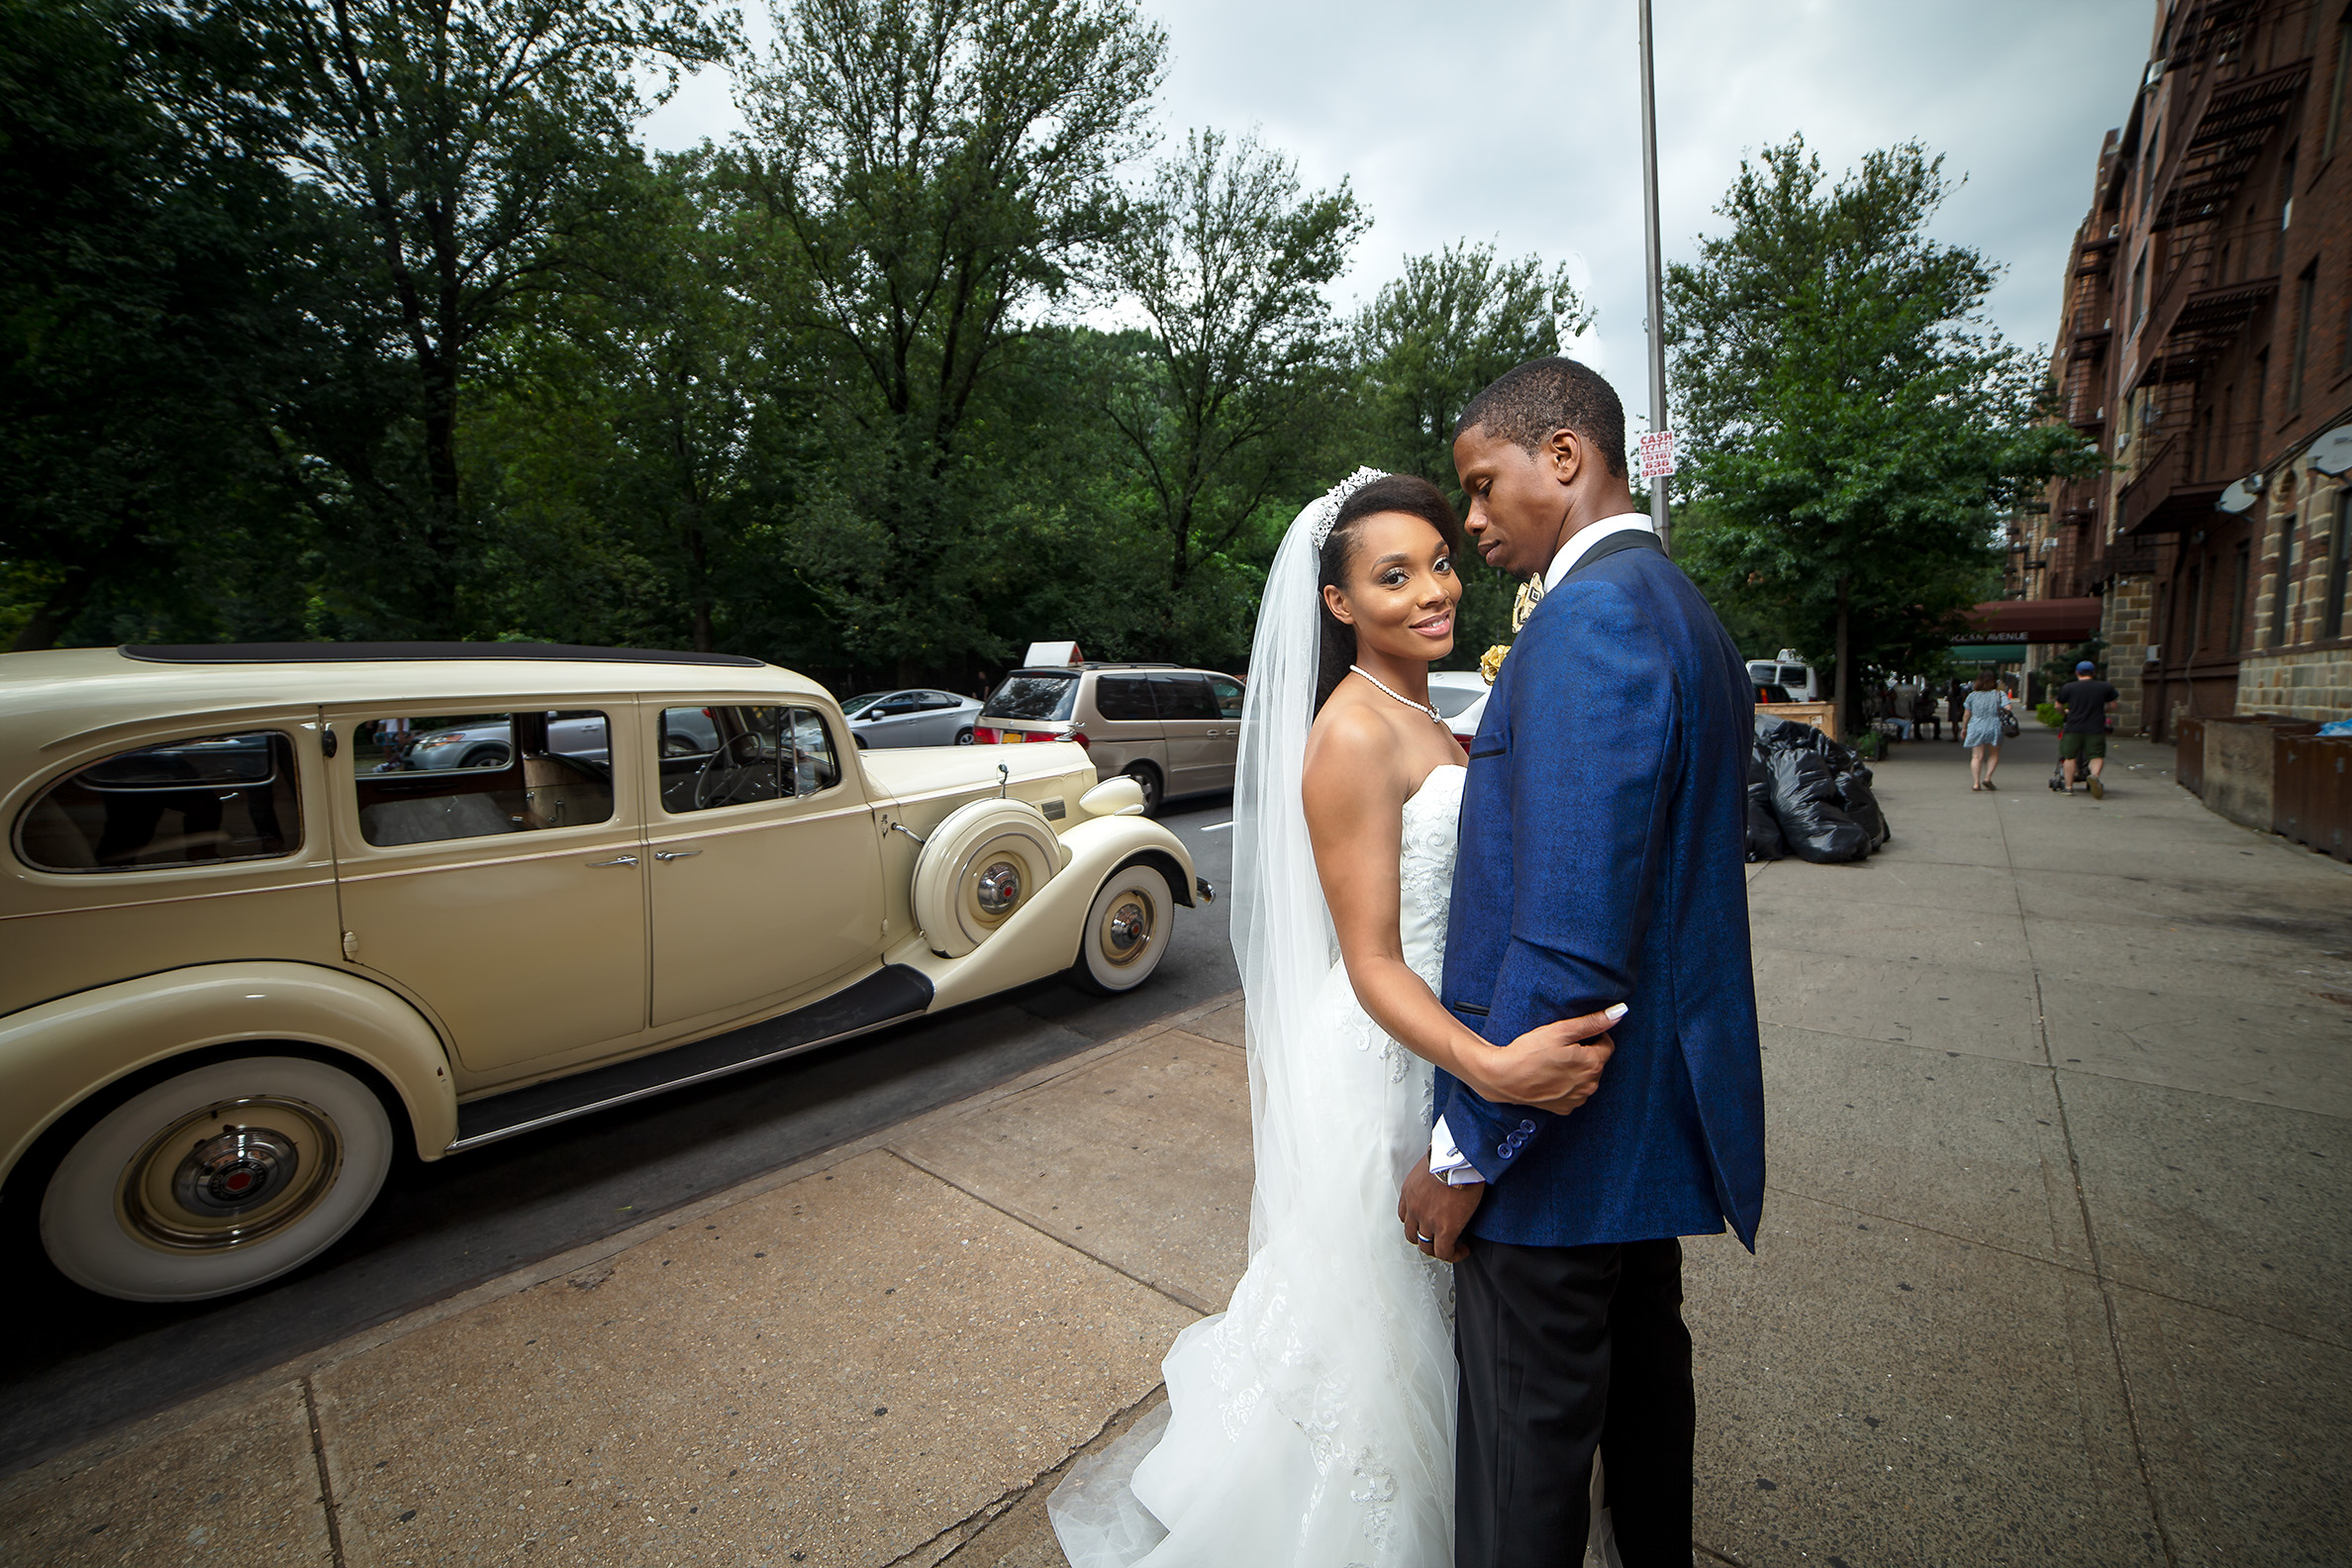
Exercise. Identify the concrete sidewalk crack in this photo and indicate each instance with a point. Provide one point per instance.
(326, 1503)
(1180, 1296)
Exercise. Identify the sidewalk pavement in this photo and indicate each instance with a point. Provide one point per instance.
(2052, 1267)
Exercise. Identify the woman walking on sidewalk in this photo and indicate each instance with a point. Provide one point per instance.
(1984, 704)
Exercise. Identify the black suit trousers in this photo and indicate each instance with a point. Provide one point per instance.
(1564, 1350)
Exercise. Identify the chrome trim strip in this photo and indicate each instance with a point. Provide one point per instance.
(462, 1145)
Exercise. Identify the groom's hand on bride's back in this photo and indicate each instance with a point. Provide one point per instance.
(1554, 1067)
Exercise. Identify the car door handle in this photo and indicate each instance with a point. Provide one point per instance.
(621, 861)
(675, 854)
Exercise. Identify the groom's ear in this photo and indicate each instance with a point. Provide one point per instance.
(1565, 454)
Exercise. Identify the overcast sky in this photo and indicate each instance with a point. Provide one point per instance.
(1517, 122)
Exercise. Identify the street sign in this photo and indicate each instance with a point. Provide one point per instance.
(1657, 454)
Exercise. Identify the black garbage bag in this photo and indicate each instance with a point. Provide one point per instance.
(1812, 819)
(1764, 840)
(1853, 793)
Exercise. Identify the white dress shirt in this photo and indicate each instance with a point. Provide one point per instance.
(1445, 1156)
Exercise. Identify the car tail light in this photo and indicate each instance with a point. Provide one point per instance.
(1078, 736)
(983, 736)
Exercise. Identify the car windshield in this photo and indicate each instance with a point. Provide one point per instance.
(857, 705)
(1451, 700)
(1026, 696)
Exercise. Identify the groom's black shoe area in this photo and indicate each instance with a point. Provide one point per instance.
(1564, 1349)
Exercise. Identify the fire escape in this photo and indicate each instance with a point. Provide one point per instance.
(2214, 278)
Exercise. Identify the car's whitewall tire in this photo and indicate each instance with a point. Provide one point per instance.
(978, 868)
(216, 1179)
(1127, 931)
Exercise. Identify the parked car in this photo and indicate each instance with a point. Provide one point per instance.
(1459, 696)
(251, 950)
(1773, 694)
(1173, 731)
(910, 718)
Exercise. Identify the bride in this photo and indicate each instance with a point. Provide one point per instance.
(1311, 1422)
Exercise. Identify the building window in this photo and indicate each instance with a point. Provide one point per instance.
(2305, 288)
(2197, 611)
(2286, 207)
(2335, 94)
(2139, 291)
(2260, 389)
(2278, 626)
(2340, 565)
(2235, 637)
(2228, 430)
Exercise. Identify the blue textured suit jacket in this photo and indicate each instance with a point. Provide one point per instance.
(1603, 859)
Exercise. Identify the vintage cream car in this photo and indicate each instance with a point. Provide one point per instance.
(249, 941)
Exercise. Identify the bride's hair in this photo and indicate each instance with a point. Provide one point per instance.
(1407, 493)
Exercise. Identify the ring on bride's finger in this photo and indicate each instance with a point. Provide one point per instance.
(1417, 1237)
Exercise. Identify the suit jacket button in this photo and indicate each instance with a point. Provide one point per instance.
(1527, 1127)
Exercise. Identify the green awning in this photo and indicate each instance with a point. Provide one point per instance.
(1989, 653)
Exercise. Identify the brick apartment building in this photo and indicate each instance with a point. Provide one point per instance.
(2207, 347)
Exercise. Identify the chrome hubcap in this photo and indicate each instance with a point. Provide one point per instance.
(230, 1174)
(999, 888)
(1127, 929)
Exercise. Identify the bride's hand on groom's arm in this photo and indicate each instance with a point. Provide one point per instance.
(1554, 1067)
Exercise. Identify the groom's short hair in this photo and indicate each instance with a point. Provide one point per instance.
(1524, 405)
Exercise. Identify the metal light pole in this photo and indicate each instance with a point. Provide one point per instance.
(1657, 272)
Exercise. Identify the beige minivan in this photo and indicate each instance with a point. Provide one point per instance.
(1173, 731)
(269, 911)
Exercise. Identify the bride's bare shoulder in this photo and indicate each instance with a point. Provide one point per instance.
(1351, 757)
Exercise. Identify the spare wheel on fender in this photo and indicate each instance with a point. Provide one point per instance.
(978, 868)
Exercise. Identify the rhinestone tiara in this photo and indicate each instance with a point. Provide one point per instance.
(1325, 512)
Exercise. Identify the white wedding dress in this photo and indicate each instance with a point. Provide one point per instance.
(1311, 1425)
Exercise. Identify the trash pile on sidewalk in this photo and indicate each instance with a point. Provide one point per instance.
(1809, 797)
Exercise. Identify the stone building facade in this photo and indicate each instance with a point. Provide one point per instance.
(2206, 346)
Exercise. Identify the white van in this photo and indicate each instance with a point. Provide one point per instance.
(1804, 682)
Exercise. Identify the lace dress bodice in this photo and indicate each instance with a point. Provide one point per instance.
(1426, 867)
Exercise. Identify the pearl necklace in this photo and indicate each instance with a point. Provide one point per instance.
(1428, 708)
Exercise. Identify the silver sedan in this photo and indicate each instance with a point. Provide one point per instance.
(914, 717)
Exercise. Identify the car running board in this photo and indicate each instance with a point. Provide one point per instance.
(888, 996)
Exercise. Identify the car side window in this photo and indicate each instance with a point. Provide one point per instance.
(734, 755)
(199, 801)
(473, 775)
(1184, 697)
(1228, 696)
(816, 766)
(1124, 697)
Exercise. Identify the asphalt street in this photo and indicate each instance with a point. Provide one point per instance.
(79, 1363)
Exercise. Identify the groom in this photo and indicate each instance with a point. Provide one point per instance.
(1602, 860)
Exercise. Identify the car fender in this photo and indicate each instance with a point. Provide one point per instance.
(1041, 939)
(54, 1057)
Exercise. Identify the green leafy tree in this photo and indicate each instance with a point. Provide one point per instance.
(1856, 428)
(1430, 341)
(937, 176)
(469, 139)
(156, 313)
(1226, 406)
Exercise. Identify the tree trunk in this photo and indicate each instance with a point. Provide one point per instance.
(698, 553)
(1841, 688)
(48, 622)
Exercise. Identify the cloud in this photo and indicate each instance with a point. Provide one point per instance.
(1519, 123)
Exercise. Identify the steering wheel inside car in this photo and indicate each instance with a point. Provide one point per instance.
(722, 781)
